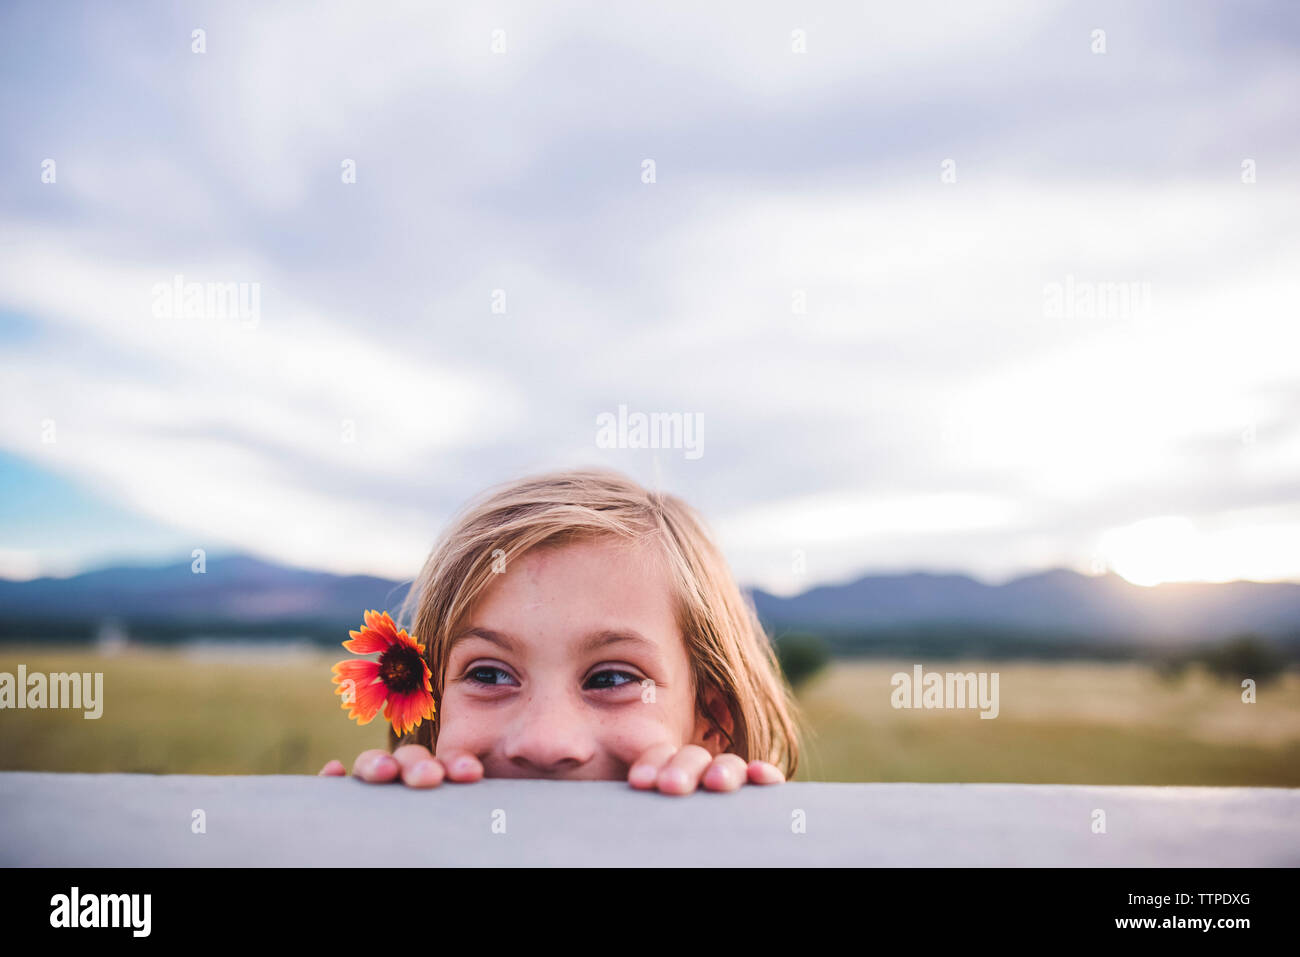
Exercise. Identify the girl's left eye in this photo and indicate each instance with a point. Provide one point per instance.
(601, 686)
(475, 675)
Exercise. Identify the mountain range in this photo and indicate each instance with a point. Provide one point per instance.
(1059, 600)
(242, 594)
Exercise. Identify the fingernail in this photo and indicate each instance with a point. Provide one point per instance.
(643, 774)
(675, 777)
(425, 771)
(464, 765)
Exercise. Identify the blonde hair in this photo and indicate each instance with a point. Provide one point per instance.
(725, 642)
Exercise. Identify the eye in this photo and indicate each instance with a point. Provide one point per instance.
(601, 680)
(474, 675)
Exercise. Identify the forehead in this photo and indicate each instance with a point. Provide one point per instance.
(560, 594)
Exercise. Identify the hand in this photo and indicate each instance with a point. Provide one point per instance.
(418, 768)
(679, 770)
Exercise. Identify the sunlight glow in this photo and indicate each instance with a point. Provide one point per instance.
(1172, 548)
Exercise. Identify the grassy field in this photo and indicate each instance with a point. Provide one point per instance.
(179, 712)
(1076, 723)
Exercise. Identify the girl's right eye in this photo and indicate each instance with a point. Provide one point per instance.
(474, 675)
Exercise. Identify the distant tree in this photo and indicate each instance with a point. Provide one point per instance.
(801, 655)
(1245, 656)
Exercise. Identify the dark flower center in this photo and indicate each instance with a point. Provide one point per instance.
(401, 669)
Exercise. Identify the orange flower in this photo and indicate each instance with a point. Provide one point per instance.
(400, 680)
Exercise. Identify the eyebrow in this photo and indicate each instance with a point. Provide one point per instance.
(592, 642)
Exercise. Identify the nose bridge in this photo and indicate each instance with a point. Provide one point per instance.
(549, 728)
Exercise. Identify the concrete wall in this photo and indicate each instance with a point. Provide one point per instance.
(134, 820)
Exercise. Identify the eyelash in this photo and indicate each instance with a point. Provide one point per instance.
(632, 679)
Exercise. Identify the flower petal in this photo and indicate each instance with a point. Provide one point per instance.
(375, 635)
(381, 622)
(408, 710)
(367, 641)
(368, 692)
(403, 638)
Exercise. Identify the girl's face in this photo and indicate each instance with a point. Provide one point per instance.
(551, 675)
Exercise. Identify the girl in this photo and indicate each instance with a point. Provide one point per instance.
(578, 626)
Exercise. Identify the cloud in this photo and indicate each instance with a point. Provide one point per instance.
(923, 382)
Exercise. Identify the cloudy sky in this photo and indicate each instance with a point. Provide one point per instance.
(956, 287)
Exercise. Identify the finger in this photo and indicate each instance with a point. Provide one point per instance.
(461, 765)
(761, 772)
(682, 773)
(375, 765)
(420, 769)
(726, 773)
(645, 770)
(332, 769)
